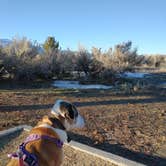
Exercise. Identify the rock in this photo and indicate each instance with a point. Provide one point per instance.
(138, 133)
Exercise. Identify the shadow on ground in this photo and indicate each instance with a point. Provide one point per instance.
(121, 101)
(4, 141)
(121, 151)
(82, 104)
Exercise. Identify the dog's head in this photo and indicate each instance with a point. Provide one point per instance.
(72, 118)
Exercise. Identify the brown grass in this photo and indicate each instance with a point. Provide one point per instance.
(116, 123)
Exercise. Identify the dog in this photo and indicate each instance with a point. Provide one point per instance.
(43, 147)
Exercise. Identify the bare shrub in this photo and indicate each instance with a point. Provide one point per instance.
(22, 47)
(113, 61)
(125, 57)
(67, 60)
(83, 61)
(105, 65)
(22, 59)
(18, 58)
(2, 69)
(54, 64)
(156, 61)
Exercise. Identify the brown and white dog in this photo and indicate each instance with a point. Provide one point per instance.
(64, 116)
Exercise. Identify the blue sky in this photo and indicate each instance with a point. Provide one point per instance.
(100, 23)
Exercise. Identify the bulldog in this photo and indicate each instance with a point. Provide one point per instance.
(43, 146)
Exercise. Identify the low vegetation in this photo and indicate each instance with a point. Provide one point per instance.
(23, 59)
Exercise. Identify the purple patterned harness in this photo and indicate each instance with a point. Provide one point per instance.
(30, 158)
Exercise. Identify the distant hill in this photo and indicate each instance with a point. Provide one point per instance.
(5, 42)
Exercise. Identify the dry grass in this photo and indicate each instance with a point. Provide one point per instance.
(117, 123)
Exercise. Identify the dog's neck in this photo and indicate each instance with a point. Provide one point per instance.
(56, 123)
(61, 133)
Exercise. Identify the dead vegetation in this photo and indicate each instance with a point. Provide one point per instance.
(23, 59)
(115, 122)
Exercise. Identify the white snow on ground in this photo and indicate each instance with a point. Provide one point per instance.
(162, 85)
(134, 75)
(76, 85)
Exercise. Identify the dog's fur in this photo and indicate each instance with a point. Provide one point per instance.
(64, 117)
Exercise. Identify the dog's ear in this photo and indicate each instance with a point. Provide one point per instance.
(68, 110)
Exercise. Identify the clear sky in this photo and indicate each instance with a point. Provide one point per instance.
(100, 23)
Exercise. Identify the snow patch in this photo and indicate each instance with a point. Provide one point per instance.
(134, 75)
(162, 85)
(76, 85)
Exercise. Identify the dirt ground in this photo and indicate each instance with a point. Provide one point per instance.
(130, 125)
(72, 157)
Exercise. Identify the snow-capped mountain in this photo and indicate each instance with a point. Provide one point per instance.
(5, 42)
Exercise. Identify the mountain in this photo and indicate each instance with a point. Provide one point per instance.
(5, 42)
